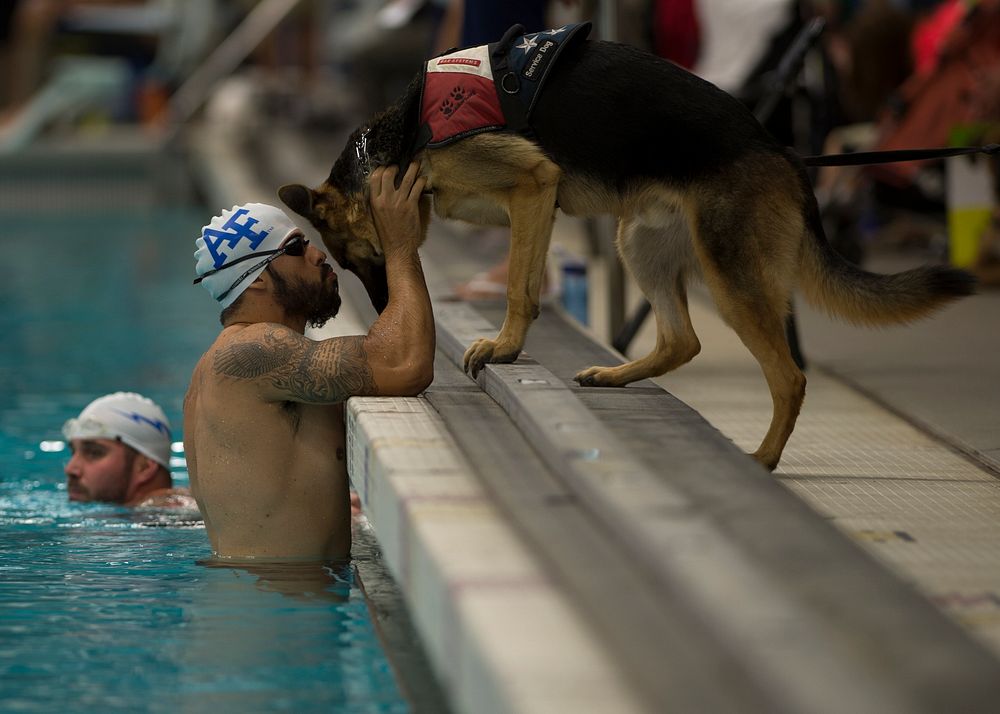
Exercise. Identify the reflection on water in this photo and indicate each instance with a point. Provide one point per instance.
(305, 580)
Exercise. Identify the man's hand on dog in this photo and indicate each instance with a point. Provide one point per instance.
(396, 211)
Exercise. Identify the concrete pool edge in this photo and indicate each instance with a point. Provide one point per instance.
(476, 592)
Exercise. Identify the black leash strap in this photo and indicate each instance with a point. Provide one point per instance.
(886, 157)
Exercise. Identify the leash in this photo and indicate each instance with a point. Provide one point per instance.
(887, 157)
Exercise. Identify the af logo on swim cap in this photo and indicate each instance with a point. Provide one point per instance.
(231, 233)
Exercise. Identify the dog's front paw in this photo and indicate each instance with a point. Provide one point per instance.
(478, 354)
(597, 377)
(483, 352)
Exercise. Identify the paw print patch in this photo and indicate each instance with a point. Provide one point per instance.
(454, 101)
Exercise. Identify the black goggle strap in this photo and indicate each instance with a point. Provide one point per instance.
(242, 259)
(273, 255)
(289, 247)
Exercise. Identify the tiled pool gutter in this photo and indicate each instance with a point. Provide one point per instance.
(567, 549)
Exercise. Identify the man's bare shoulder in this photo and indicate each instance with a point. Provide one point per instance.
(254, 350)
(286, 365)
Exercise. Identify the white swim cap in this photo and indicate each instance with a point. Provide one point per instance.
(228, 246)
(129, 417)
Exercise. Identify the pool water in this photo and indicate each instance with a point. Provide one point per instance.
(104, 608)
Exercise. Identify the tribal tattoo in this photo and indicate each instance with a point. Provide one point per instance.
(309, 371)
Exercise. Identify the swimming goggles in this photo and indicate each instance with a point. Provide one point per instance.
(88, 428)
(294, 246)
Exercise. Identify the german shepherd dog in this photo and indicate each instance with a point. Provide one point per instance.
(698, 186)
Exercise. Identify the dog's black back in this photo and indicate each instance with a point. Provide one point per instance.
(653, 120)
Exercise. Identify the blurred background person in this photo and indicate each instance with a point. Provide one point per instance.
(120, 445)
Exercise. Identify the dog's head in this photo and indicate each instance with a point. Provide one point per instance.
(345, 223)
(339, 207)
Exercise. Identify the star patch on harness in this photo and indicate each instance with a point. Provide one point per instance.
(491, 87)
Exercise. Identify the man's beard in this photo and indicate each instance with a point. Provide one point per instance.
(317, 305)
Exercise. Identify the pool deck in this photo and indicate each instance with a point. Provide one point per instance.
(569, 549)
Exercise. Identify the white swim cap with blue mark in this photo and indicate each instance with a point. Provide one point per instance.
(129, 417)
(227, 246)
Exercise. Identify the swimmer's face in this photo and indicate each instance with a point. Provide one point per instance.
(305, 284)
(99, 470)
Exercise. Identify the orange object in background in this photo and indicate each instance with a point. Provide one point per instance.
(151, 103)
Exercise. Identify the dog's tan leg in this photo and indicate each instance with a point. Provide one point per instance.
(764, 336)
(748, 247)
(531, 205)
(658, 256)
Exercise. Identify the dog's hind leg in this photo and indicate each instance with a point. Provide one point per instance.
(749, 254)
(658, 256)
(532, 206)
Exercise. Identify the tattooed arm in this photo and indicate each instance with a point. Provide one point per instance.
(287, 366)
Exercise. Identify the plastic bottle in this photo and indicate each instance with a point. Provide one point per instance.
(574, 288)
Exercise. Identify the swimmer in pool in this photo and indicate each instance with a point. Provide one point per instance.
(263, 416)
(121, 454)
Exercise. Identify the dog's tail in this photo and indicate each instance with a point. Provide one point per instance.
(844, 290)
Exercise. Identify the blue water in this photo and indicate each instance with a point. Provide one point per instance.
(106, 609)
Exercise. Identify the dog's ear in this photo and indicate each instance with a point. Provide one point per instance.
(297, 197)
